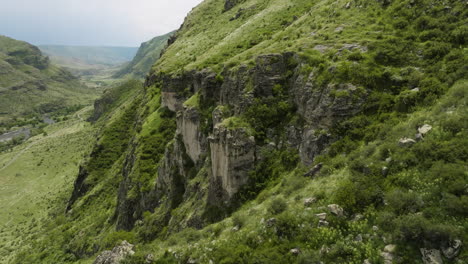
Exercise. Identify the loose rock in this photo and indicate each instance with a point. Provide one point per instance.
(336, 210)
(453, 249)
(323, 223)
(295, 251)
(404, 142)
(431, 256)
(309, 201)
(424, 129)
(322, 216)
(117, 254)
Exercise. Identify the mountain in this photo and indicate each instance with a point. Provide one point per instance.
(90, 55)
(279, 132)
(148, 53)
(95, 66)
(30, 83)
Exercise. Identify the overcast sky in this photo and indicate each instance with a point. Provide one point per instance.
(91, 22)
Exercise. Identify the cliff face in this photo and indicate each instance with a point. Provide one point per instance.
(273, 126)
(212, 139)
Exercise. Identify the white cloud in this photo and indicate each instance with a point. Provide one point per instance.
(91, 22)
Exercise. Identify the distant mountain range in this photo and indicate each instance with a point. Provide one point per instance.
(110, 56)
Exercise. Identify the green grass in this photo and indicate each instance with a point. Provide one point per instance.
(30, 84)
(39, 174)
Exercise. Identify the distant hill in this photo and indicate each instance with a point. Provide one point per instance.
(30, 83)
(110, 56)
(148, 53)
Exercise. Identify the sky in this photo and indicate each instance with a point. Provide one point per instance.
(91, 22)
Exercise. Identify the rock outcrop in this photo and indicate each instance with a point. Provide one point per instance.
(232, 157)
(116, 255)
(188, 124)
(431, 256)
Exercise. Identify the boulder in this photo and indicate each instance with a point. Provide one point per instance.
(309, 201)
(117, 254)
(405, 142)
(424, 129)
(453, 249)
(390, 248)
(387, 257)
(322, 216)
(336, 210)
(323, 223)
(295, 251)
(149, 259)
(431, 256)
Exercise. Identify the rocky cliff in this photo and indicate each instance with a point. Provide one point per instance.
(269, 131)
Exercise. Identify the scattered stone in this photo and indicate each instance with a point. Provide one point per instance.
(316, 169)
(324, 250)
(389, 248)
(375, 228)
(191, 261)
(271, 222)
(358, 217)
(385, 171)
(424, 129)
(139, 223)
(309, 201)
(366, 261)
(117, 254)
(431, 256)
(339, 29)
(358, 238)
(336, 210)
(236, 228)
(388, 257)
(322, 216)
(348, 5)
(415, 90)
(149, 258)
(404, 142)
(453, 249)
(323, 223)
(388, 160)
(295, 251)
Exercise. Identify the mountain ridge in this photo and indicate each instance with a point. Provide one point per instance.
(282, 132)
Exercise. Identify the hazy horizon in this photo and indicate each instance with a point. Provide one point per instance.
(92, 23)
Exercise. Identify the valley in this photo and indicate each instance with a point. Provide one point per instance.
(260, 131)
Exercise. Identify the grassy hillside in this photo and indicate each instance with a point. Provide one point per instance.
(279, 131)
(30, 83)
(148, 53)
(38, 175)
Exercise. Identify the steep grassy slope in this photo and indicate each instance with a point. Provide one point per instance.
(148, 53)
(284, 132)
(29, 83)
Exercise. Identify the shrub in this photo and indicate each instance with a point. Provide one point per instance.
(277, 206)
